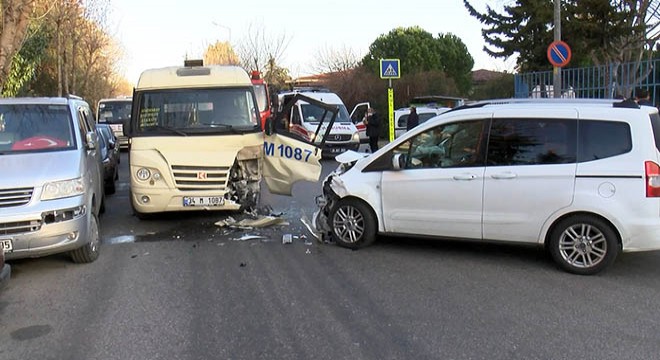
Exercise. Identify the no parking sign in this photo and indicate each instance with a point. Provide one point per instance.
(559, 53)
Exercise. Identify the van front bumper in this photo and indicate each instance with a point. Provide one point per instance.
(147, 201)
(46, 233)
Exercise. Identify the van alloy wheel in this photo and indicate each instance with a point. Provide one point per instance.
(584, 244)
(353, 224)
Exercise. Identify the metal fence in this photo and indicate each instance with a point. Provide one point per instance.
(605, 81)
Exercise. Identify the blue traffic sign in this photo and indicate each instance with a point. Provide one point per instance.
(559, 53)
(389, 69)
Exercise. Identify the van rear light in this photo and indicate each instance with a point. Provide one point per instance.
(652, 179)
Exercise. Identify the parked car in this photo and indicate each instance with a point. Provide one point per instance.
(110, 158)
(50, 188)
(580, 178)
(111, 139)
(5, 270)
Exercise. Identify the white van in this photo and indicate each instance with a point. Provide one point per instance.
(115, 112)
(304, 118)
(424, 113)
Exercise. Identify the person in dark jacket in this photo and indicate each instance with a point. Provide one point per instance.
(373, 128)
(643, 97)
(413, 119)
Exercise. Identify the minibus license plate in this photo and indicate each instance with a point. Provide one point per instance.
(203, 201)
(6, 245)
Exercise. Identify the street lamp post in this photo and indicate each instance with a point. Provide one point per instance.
(224, 27)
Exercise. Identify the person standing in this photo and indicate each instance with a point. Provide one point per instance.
(643, 97)
(373, 128)
(413, 119)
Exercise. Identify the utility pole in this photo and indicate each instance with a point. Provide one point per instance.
(556, 82)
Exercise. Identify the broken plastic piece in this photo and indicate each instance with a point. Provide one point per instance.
(287, 239)
(247, 237)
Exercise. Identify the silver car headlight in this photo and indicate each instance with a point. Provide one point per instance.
(63, 189)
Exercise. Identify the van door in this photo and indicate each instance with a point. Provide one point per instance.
(530, 172)
(357, 116)
(290, 157)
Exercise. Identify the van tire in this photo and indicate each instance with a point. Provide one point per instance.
(583, 244)
(110, 188)
(90, 251)
(352, 224)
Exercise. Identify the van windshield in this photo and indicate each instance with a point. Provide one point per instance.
(196, 111)
(314, 114)
(114, 112)
(35, 128)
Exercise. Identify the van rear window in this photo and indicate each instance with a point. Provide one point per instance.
(655, 124)
(602, 139)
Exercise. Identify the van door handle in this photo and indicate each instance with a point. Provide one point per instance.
(506, 175)
(465, 177)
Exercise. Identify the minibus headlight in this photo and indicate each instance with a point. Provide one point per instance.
(143, 174)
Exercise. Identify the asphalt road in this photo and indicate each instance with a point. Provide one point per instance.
(181, 288)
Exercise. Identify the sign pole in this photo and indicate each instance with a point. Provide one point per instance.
(556, 83)
(389, 69)
(390, 109)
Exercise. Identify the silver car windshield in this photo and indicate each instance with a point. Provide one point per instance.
(35, 128)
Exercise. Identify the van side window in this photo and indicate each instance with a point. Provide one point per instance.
(445, 146)
(531, 142)
(602, 139)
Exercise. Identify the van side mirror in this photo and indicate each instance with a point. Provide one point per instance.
(91, 140)
(269, 126)
(126, 127)
(399, 161)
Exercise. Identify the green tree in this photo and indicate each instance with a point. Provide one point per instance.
(419, 51)
(415, 47)
(598, 31)
(456, 61)
(26, 62)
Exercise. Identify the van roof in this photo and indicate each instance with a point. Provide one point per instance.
(193, 77)
(326, 97)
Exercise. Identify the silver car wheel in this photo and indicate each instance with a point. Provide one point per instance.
(348, 224)
(583, 245)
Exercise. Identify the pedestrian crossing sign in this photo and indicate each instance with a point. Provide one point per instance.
(389, 69)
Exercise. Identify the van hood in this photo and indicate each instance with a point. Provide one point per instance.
(35, 169)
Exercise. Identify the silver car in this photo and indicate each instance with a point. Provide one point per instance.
(51, 185)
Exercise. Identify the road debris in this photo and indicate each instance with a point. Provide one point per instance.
(287, 239)
(248, 224)
(247, 237)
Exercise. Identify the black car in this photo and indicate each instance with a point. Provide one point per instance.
(110, 156)
(111, 139)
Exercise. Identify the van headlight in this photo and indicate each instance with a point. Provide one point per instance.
(63, 189)
(356, 137)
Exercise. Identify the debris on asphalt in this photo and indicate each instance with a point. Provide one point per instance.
(287, 239)
(308, 251)
(247, 237)
(242, 264)
(310, 228)
(248, 224)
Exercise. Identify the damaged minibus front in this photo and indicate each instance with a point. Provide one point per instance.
(196, 143)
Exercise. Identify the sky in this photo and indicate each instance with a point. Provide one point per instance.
(159, 33)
